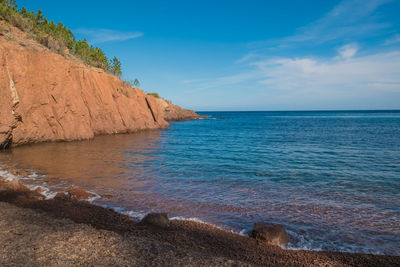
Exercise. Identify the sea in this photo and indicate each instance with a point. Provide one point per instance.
(332, 178)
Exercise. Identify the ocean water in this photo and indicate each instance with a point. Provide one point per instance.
(332, 178)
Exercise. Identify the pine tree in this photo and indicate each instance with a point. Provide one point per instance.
(115, 66)
(136, 82)
(56, 37)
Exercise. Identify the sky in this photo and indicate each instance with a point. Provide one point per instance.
(248, 55)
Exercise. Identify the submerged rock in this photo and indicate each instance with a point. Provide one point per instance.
(272, 234)
(39, 190)
(156, 219)
(36, 196)
(75, 193)
(16, 186)
(61, 196)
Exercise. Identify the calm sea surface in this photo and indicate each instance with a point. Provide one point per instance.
(332, 178)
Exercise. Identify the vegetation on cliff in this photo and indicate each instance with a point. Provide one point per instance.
(156, 95)
(56, 37)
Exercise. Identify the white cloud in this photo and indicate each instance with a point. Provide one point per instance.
(348, 51)
(321, 76)
(353, 74)
(96, 36)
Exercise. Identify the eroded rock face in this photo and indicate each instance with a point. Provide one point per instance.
(156, 219)
(272, 234)
(47, 97)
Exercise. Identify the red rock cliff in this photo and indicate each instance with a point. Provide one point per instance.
(47, 97)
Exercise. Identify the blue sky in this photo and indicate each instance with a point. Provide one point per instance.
(248, 55)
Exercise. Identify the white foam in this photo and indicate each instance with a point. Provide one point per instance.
(33, 175)
(132, 214)
(243, 232)
(191, 219)
(95, 196)
(302, 242)
(7, 175)
(46, 192)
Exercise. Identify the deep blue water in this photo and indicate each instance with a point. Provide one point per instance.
(332, 178)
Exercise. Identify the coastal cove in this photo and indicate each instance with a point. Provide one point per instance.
(200, 133)
(314, 172)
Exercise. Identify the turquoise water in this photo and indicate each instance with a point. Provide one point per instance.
(332, 178)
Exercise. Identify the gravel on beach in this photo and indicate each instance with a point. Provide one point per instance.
(57, 232)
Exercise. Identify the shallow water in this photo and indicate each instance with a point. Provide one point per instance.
(332, 178)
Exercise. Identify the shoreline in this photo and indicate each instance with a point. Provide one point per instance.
(200, 240)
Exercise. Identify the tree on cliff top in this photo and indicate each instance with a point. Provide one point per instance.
(136, 82)
(56, 37)
(115, 66)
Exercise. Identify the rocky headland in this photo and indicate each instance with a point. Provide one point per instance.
(46, 96)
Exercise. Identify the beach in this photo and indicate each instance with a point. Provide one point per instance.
(35, 231)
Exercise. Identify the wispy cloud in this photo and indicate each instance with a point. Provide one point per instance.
(373, 72)
(203, 84)
(350, 19)
(307, 82)
(393, 40)
(245, 58)
(96, 36)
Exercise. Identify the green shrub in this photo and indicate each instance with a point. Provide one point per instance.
(154, 94)
(23, 43)
(134, 83)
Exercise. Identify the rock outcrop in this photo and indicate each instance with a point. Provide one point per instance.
(271, 234)
(75, 193)
(173, 112)
(159, 220)
(48, 97)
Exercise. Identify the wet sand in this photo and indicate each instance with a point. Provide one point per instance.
(63, 232)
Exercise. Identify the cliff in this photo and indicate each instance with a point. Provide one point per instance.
(48, 97)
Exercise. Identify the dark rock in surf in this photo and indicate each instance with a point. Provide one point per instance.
(61, 196)
(156, 219)
(76, 194)
(36, 196)
(271, 234)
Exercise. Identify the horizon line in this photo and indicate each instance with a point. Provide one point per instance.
(298, 110)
